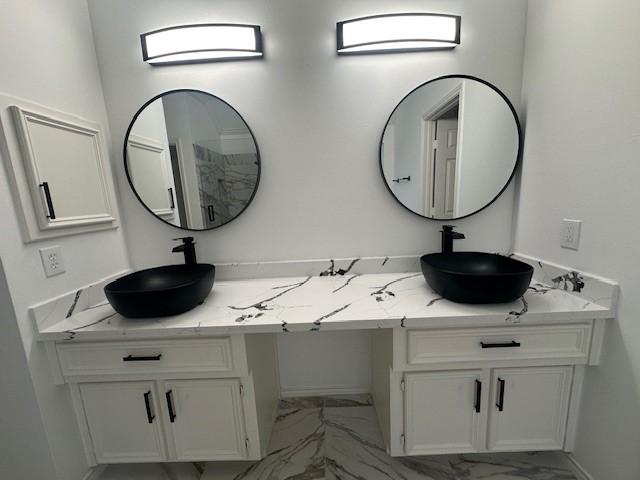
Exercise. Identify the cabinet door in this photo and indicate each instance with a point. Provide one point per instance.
(61, 163)
(205, 419)
(149, 169)
(529, 408)
(123, 422)
(443, 412)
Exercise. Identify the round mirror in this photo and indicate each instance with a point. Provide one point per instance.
(450, 147)
(191, 159)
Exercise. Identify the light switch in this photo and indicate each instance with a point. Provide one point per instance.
(571, 233)
(52, 261)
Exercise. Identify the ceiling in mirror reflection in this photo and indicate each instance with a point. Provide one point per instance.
(450, 147)
(192, 160)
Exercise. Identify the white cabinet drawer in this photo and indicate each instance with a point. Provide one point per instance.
(569, 342)
(165, 356)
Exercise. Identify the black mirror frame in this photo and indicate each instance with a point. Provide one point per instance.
(126, 167)
(518, 155)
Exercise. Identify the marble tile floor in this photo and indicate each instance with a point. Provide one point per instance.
(338, 438)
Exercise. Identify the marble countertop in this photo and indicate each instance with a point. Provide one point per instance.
(349, 300)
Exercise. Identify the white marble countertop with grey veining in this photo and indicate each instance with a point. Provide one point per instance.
(342, 301)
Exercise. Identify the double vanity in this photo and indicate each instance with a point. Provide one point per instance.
(470, 352)
(446, 377)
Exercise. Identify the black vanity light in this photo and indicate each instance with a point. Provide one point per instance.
(398, 32)
(199, 43)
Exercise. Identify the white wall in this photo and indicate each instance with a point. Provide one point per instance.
(164, 471)
(152, 124)
(488, 148)
(317, 118)
(329, 362)
(48, 57)
(581, 161)
(24, 452)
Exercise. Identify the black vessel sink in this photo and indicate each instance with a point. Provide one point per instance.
(474, 277)
(161, 291)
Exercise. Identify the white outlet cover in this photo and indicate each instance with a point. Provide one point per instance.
(52, 261)
(571, 233)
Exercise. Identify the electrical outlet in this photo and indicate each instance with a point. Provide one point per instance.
(571, 233)
(52, 261)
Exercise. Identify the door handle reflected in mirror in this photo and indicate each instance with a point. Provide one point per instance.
(402, 179)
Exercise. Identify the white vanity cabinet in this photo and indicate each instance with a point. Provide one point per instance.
(183, 420)
(198, 399)
(525, 410)
(488, 389)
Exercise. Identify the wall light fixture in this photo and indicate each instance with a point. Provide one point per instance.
(211, 42)
(401, 32)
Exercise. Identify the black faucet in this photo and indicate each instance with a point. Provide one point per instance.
(189, 248)
(448, 236)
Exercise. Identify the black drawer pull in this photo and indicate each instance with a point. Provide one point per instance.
(478, 395)
(147, 404)
(500, 403)
(172, 203)
(511, 344)
(212, 214)
(131, 358)
(51, 214)
(172, 413)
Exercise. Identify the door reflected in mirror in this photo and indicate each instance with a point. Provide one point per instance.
(192, 160)
(450, 147)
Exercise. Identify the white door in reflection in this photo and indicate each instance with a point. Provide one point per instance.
(440, 156)
(443, 175)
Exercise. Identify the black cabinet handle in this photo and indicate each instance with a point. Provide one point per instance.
(47, 197)
(212, 215)
(172, 413)
(500, 403)
(147, 404)
(131, 358)
(478, 395)
(511, 344)
(173, 205)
